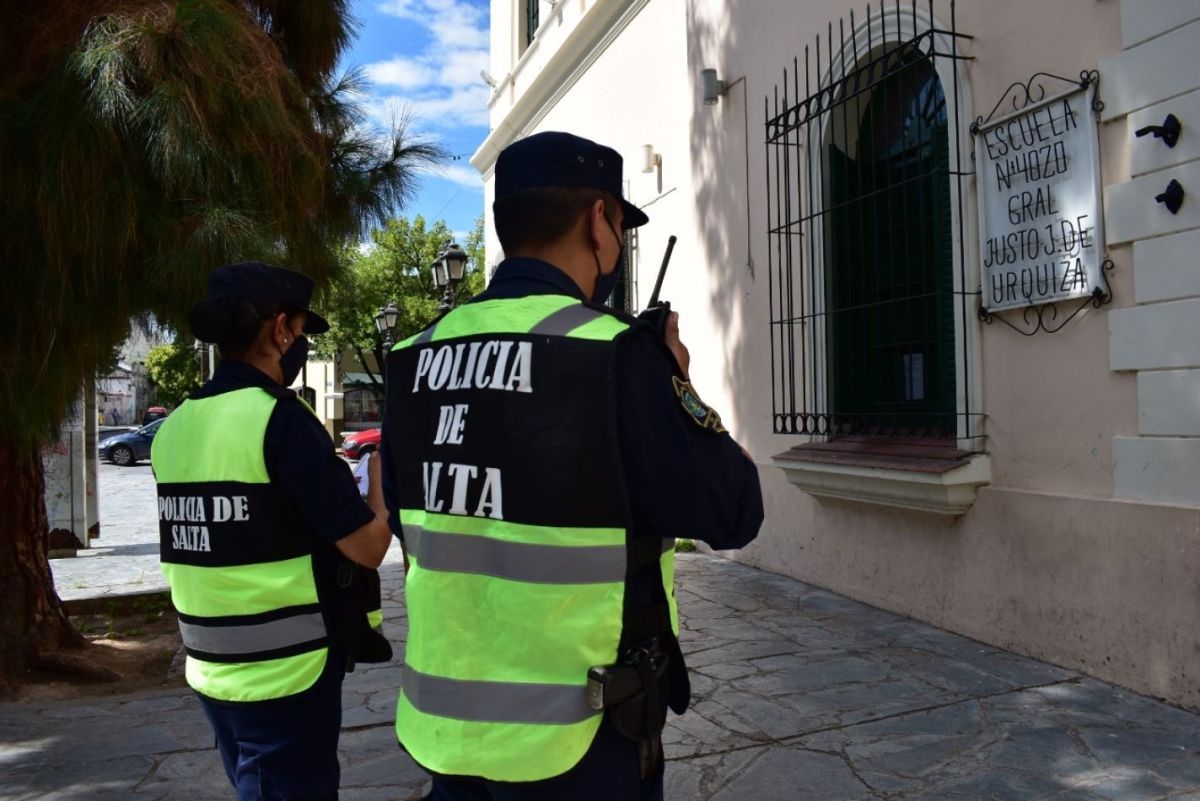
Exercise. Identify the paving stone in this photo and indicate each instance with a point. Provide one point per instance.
(372, 758)
(733, 652)
(67, 781)
(192, 774)
(709, 773)
(856, 703)
(727, 671)
(789, 773)
(695, 733)
(1047, 750)
(1182, 772)
(733, 629)
(72, 712)
(801, 678)
(1001, 783)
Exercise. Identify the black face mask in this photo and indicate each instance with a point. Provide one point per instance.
(607, 282)
(293, 360)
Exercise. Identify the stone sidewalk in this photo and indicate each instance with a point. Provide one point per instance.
(798, 694)
(124, 560)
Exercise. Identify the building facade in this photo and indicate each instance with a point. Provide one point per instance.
(937, 269)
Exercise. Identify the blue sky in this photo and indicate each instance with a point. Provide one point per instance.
(423, 57)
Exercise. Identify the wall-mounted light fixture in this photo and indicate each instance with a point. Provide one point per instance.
(652, 162)
(711, 87)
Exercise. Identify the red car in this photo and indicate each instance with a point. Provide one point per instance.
(357, 443)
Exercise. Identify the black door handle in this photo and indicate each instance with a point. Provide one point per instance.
(1173, 197)
(1168, 132)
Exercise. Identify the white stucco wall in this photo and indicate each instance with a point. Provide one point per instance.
(1051, 560)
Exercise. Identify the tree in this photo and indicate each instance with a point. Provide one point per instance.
(174, 370)
(142, 144)
(394, 266)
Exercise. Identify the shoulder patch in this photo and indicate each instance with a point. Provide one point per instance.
(701, 413)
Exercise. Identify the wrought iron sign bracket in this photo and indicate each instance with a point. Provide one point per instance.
(1043, 317)
(1023, 94)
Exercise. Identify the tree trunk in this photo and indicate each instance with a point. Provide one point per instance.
(362, 360)
(33, 621)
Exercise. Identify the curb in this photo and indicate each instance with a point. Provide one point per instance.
(116, 604)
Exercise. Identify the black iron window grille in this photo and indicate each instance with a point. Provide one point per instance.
(868, 270)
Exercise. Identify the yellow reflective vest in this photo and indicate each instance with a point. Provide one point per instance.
(235, 553)
(503, 442)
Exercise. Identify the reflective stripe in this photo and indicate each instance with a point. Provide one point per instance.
(513, 532)
(253, 638)
(516, 561)
(565, 320)
(495, 701)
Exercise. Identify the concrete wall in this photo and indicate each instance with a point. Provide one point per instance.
(1051, 560)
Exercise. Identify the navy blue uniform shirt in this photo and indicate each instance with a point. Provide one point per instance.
(683, 480)
(300, 458)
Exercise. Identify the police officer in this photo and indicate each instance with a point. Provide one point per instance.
(262, 532)
(542, 452)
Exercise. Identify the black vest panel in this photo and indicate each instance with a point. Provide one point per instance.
(551, 437)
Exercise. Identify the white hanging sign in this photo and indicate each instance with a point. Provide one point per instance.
(1041, 225)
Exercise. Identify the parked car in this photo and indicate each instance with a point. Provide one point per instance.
(154, 413)
(357, 443)
(125, 449)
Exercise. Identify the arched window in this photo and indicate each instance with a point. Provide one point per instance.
(888, 252)
(873, 296)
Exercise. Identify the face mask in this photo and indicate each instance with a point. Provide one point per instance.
(607, 282)
(293, 360)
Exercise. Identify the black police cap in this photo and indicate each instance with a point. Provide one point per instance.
(252, 281)
(557, 159)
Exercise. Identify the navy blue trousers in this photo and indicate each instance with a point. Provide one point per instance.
(609, 771)
(285, 749)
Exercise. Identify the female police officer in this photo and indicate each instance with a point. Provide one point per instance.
(260, 529)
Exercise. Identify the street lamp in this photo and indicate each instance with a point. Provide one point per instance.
(448, 272)
(385, 323)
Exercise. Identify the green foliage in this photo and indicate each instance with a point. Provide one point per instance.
(143, 144)
(394, 266)
(175, 371)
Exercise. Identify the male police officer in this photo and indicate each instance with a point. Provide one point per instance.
(260, 526)
(541, 453)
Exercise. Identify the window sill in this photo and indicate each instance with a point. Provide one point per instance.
(908, 474)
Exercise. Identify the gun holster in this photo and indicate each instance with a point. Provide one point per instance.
(347, 591)
(631, 692)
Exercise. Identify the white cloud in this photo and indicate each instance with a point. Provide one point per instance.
(397, 8)
(454, 23)
(442, 85)
(452, 109)
(463, 175)
(462, 68)
(400, 72)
